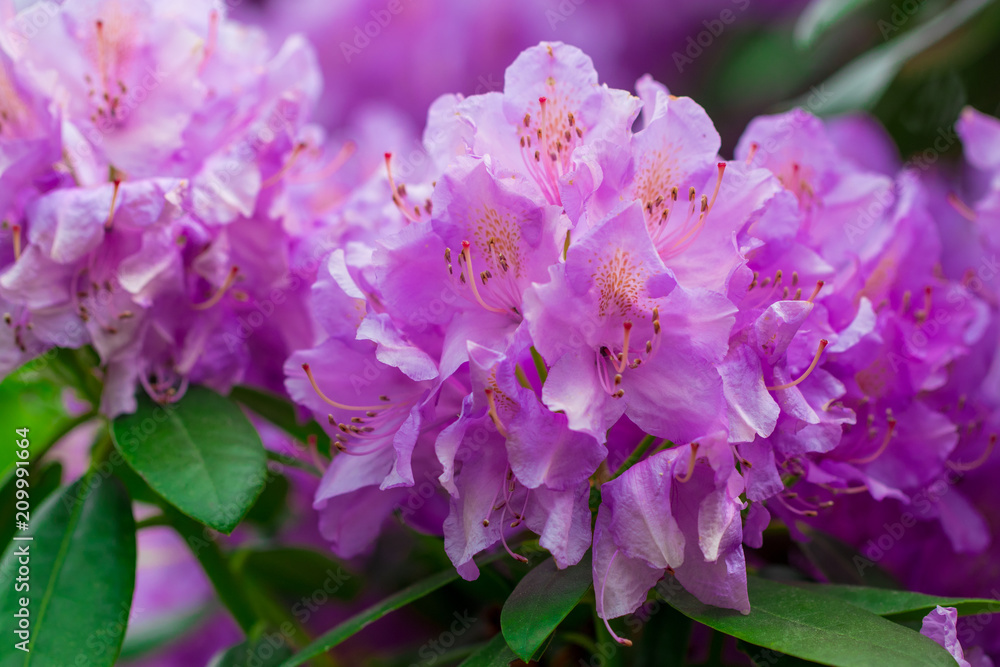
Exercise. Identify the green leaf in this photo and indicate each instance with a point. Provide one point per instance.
(816, 627)
(297, 572)
(268, 651)
(840, 563)
(359, 621)
(539, 603)
(496, 653)
(33, 400)
(902, 605)
(202, 455)
(861, 83)
(281, 413)
(820, 16)
(43, 483)
(81, 564)
(765, 657)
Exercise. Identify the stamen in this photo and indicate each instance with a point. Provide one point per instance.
(338, 161)
(467, 253)
(299, 147)
(620, 640)
(16, 232)
(627, 326)
(795, 510)
(819, 351)
(221, 292)
(493, 412)
(885, 443)
(718, 184)
(114, 199)
(965, 467)
(691, 461)
(330, 401)
(819, 286)
(962, 208)
(311, 443)
(395, 192)
(922, 315)
(213, 36)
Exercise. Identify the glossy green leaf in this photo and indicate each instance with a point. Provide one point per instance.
(821, 15)
(43, 483)
(202, 455)
(81, 564)
(32, 399)
(765, 657)
(495, 653)
(281, 413)
(817, 627)
(268, 651)
(861, 83)
(542, 599)
(903, 605)
(297, 572)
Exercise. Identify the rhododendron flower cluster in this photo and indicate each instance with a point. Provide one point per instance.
(566, 323)
(579, 274)
(151, 156)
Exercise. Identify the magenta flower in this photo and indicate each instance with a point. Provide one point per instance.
(672, 512)
(151, 237)
(623, 338)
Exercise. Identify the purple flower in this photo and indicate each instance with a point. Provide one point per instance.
(671, 512)
(623, 338)
(941, 626)
(151, 238)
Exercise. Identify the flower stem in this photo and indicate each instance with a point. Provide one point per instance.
(218, 570)
(637, 454)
